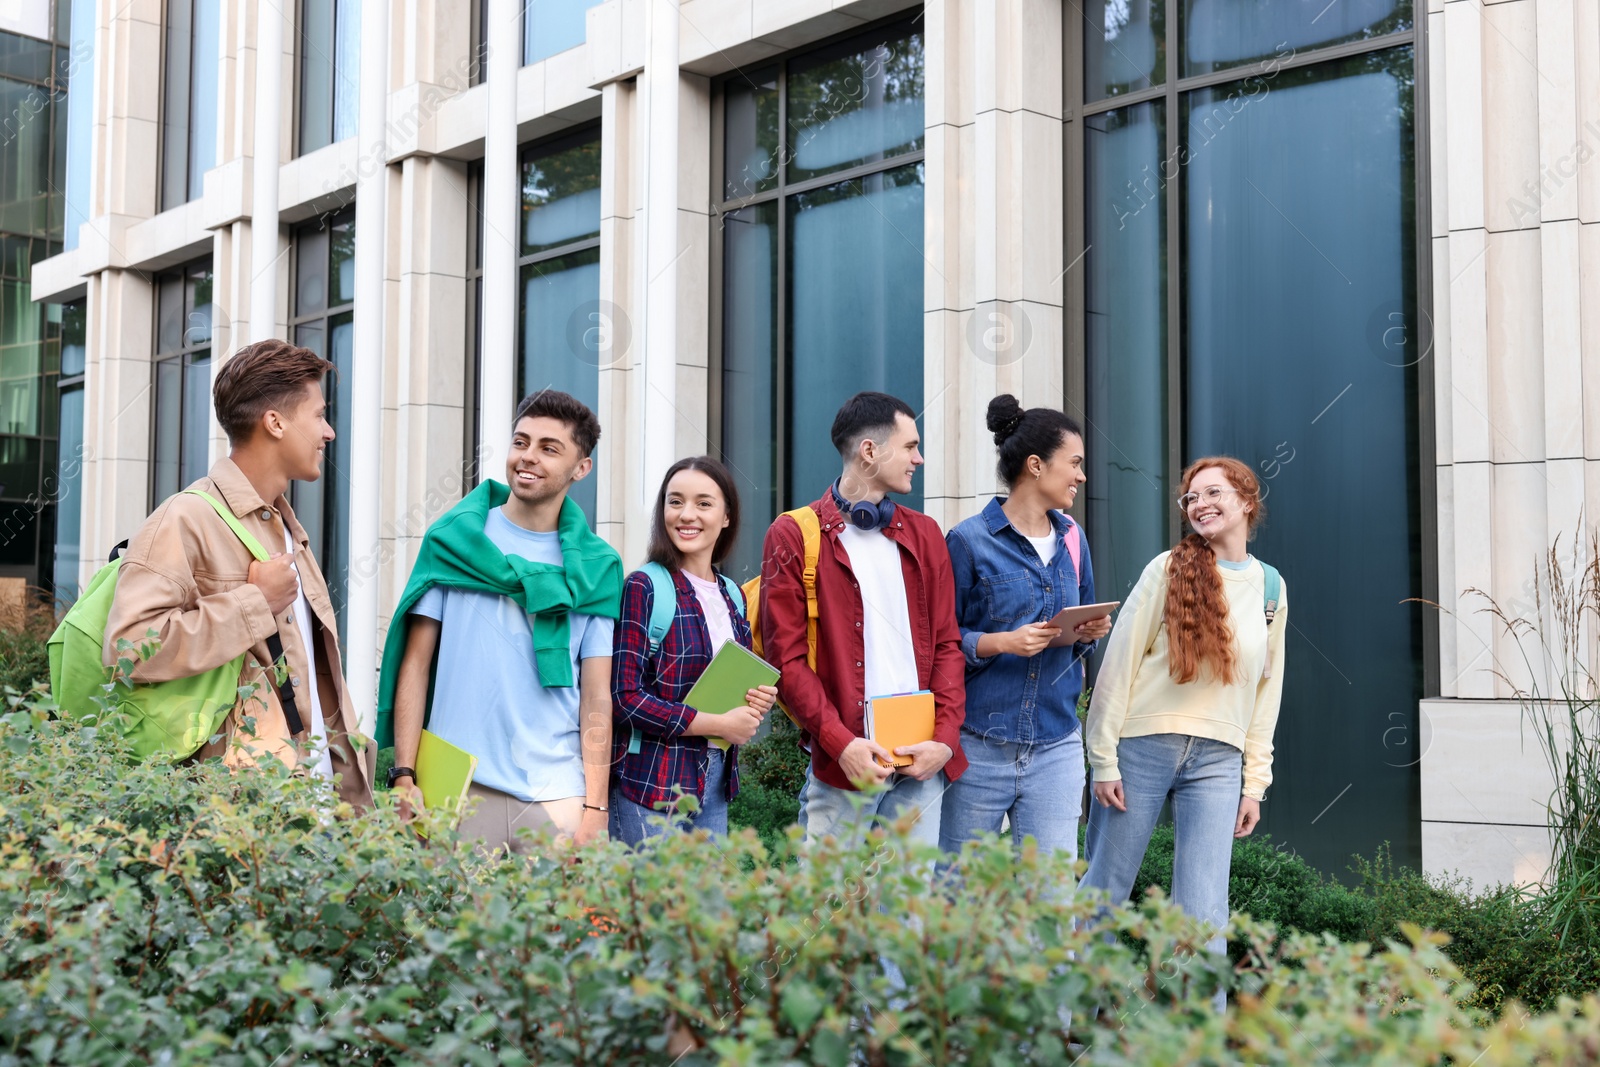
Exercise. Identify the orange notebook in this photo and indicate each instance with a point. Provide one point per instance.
(899, 720)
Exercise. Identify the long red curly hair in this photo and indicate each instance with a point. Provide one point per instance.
(1199, 639)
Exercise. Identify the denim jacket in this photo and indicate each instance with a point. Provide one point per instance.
(1001, 584)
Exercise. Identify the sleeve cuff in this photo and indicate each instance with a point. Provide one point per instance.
(834, 739)
(258, 617)
(1112, 772)
(1255, 791)
(969, 649)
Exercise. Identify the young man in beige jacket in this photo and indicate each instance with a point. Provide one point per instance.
(187, 577)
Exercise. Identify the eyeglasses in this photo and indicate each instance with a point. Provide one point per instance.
(1211, 494)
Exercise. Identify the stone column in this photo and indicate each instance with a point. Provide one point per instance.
(994, 239)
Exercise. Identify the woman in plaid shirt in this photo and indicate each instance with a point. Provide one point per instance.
(661, 745)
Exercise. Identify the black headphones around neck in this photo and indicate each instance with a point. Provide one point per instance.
(865, 515)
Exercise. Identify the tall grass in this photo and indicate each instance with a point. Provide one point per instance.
(1559, 692)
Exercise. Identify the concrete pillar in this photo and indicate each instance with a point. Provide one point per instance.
(498, 390)
(994, 239)
(367, 360)
(266, 157)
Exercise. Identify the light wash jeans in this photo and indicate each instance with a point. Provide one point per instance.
(1039, 787)
(1204, 779)
(633, 823)
(832, 811)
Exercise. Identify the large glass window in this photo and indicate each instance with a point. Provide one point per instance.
(551, 26)
(821, 260)
(564, 333)
(69, 467)
(189, 98)
(33, 94)
(182, 414)
(324, 321)
(1249, 288)
(329, 58)
(77, 66)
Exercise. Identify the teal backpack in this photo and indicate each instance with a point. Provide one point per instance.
(170, 719)
(662, 609)
(1271, 591)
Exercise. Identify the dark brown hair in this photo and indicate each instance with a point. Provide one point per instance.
(1019, 434)
(1198, 634)
(260, 378)
(564, 408)
(661, 549)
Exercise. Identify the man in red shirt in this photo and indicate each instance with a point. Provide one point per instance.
(886, 624)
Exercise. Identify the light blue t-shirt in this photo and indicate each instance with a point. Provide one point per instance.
(486, 693)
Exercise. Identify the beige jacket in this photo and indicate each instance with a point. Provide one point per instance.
(185, 576)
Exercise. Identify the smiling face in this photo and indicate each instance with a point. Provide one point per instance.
(306, 433)
(694, 511)
(891, 465)
(544, 461)
(1214, 506)
(1061, 474)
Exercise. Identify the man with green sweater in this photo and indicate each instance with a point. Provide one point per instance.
(501, 642)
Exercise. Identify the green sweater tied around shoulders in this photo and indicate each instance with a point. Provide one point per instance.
(457, 553)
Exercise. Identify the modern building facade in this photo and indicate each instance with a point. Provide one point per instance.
(1355, 244)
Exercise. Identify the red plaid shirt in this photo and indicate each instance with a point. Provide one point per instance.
(647, 694)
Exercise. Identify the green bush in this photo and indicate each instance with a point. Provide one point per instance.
(195, 916)
(771, 772)
(24, 658)
(1497, 937)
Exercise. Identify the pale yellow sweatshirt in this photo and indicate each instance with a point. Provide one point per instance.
(1135, 695)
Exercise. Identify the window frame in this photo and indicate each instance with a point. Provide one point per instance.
(184, 354)
(585, 134)
(721, 205)
(1171, 92)
(328, 484)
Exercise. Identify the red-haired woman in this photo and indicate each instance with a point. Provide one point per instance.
(1187, 698)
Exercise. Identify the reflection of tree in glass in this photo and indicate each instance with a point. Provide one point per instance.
(552, 177)
(885, 79)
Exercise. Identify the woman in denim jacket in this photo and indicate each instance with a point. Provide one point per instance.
(1014, 571)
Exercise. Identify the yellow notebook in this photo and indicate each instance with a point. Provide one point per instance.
(900, 720)
(443, 772)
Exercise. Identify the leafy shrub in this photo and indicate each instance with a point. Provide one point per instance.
(194, 916)
(771, 771)
(24, 658)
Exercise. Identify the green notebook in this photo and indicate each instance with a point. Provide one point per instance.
(733, 672)
(443, 773)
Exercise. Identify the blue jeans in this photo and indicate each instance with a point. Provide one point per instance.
(1039, 787)
(632, 823)
(1204, 779)
(830, 811)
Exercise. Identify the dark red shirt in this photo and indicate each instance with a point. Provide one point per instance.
(828, 702)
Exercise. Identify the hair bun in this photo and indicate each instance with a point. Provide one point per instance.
(1004, 416)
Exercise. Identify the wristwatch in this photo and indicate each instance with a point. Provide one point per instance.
(401, 772)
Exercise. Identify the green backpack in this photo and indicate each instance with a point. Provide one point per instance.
(171, 719)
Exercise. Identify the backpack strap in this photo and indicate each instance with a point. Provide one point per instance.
(1073, 540)
(291, 710)
(735, 594)
(663, 606)
(1271, 591)
(811, 535)
(233, 524)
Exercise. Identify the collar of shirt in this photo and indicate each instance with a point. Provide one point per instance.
(241, 497)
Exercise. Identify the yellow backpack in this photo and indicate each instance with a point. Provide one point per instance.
(811, 531)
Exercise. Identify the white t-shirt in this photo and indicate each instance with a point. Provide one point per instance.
(1047, 547)
(307, 694)
(719, 623)
(891, 658)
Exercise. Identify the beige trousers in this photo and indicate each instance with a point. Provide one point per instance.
(499, 817)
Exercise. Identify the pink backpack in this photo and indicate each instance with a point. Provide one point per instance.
(1074, 547)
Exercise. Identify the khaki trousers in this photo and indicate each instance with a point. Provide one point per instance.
(499, 817)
